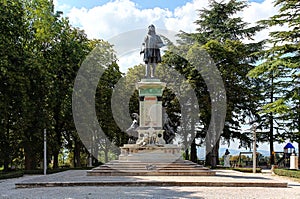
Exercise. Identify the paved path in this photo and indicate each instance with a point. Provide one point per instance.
(8, 190)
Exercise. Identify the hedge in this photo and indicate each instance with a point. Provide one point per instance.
(288, 173)
(247, 170)
(11, 174)
(20, 173)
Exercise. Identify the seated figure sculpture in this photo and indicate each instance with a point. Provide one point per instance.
(169, 133)
(132, 130)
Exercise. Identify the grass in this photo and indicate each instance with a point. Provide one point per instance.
(247, 170)
(288, 173)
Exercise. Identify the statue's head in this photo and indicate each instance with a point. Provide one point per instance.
(151, 29)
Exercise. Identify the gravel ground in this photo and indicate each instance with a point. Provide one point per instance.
(8, 190)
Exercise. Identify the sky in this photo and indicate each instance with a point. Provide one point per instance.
(104, 19)
(108, 19)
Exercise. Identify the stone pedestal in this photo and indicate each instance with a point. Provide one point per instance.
(150, 104)
(150, 146)
(226, 161)
(293, 161)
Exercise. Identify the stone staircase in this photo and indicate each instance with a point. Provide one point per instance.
(138, 168)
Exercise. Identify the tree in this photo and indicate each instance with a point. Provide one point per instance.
(221, 35)
(103, 107)
(92, 93)
(70, 48)
(282, 61)
(41, 54)
(12, 81)
(176, 98)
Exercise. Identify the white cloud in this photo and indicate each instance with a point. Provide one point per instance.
(128, 60)
(184, 17)
(260, 11)
(119, 16)
(61, 7)
(116, 17)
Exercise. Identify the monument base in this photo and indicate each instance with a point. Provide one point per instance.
(150, 160)
(166, 153)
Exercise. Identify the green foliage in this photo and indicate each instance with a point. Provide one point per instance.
(40, 55)
(11, 174)
(247, 170)
(288, 173)
(221, 35)
(217, 22)
(280, 70)
(12, 81)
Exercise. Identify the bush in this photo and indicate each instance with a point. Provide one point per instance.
(11, 174)
(288, 173)
(247, 170)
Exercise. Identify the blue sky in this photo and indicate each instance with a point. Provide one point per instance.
(143, 4)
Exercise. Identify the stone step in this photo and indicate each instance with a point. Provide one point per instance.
(223, 178)
(138, 168)
(151, 173)
(144, 169)
(154, 165)
(151, 183)
(157, 163)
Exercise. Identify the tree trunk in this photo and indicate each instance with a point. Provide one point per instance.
(6, 152)
(193, 152)
(212, 157)
(95, 161)
(106, 155)
(29, 158)
(77, 162)
(298, 153)
(271, 139)
(58, 135)
(187, 156)
(95, 156)
(5, 165)
(271, 136)
(55, 159)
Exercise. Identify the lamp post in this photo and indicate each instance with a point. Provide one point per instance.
(254, 147)
(45, 152)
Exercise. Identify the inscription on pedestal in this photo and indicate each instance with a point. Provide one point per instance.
(150, 112)
(150, 92)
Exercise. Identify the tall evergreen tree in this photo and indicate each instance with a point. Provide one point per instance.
(282, 61)
(221, 35)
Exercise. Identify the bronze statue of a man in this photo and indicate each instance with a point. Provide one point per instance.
(151, 49)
